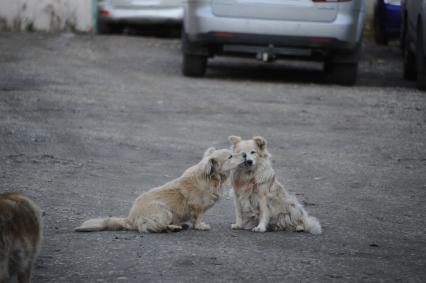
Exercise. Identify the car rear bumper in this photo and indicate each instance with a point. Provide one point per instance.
(230, 38)
(151, 15)
(277, 47)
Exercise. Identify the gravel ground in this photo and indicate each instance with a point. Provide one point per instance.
(88, 123)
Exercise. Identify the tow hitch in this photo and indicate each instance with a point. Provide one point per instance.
(267, 55)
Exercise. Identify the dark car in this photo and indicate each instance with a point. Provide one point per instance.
(387, 20)
(413, 41)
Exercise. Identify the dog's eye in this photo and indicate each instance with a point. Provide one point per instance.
(253, 152)
(230, 157)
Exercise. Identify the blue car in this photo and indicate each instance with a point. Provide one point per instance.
(387, 20)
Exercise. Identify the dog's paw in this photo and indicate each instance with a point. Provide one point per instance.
(300, 228)
(236, 226)
(174, 228)
(202, 227)
(259, 229)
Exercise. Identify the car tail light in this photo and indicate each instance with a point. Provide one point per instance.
(321, 39)
(224, 34)
(103, 12)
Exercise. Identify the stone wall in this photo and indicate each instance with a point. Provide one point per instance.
(46, 15)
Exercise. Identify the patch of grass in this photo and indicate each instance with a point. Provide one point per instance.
(29, 27)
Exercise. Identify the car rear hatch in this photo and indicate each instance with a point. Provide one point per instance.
(281, 10)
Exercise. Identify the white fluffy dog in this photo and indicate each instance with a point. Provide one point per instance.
(261, 202)
(187, 198)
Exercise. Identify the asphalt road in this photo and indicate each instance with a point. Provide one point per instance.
(88, 123)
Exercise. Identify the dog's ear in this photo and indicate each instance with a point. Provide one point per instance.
(209, 151)
(260, 142)
(212, 167)
(234, 140)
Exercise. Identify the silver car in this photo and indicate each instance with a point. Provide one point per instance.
(113, 15)
(413, 40)
(322, 30)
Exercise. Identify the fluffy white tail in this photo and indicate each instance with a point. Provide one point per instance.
(104, 224)
(312, 225)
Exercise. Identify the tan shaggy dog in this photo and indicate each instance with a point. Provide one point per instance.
(186, 198)
(20, 236)
(261, 202)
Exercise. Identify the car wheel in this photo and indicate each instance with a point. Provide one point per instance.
(409, 60)
(194, 65)
(421, 60)
(109, 28)
(379, 35)
(342, 73)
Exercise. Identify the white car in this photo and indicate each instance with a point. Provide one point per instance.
(113, 15)
(321, 30)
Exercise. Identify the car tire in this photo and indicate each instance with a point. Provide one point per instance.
(342, 73)
(379, 35)
(104, 27)
(421, 60)
(194, 65)
(403, 33)
(409, 60)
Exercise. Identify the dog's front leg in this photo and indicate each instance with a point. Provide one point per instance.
(238, 215)
(264, 214)
(197, 223)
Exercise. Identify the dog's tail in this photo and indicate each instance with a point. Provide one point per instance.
(104, 224)
(312, 225)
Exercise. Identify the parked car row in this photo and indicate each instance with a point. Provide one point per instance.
(327, 31)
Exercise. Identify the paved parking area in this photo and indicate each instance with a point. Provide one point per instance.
(88, 123)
